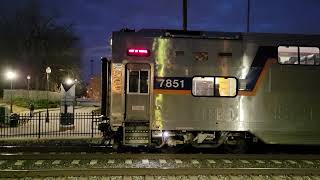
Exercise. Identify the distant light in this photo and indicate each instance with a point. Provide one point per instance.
(28, 77)
(11, 75)
(48, 70)
(69, 81)
(138, 52)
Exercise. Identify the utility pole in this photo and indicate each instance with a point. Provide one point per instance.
(248, 15)
(185, 14)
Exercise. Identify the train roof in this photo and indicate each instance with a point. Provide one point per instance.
(290, 39)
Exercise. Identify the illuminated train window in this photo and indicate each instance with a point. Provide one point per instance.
(298, 55)
(309, 55)
(288, 55)
(203, 86)
(214, 86)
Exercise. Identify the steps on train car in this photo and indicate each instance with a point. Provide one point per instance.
(136, 133)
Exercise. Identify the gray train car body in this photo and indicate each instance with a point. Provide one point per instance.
(163, 85)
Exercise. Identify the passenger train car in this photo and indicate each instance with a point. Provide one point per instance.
(207, 89)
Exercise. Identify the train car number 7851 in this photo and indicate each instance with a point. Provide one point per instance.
(176, 83)
(168, 83)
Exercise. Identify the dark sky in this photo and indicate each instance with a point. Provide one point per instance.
(94, 20)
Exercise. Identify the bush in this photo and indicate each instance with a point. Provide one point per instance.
(38, 104)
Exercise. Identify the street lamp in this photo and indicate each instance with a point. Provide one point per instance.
(28, 85)
(48, 71)
(11, 76)
(69, 81)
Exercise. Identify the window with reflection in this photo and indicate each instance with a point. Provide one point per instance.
(144, 81)
(288, 55)
(225, 87)
(133, 81)
(203, 86)
(309, 55)
(298, 55)
(214, 86)
(138, 81)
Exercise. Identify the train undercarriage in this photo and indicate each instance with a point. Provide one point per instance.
(135, 135)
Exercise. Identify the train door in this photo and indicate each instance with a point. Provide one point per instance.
(137, 108)
(138, 92)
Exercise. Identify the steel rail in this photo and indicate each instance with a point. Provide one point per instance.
(157, 172)
(103, 156)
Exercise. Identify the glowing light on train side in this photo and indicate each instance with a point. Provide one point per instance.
(138, 52)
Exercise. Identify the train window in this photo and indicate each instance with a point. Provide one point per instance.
(133, 81)
(225, 87)
(144, 77)
(138, 81)
(309, 55)
(202, 86)
(288, 55)
(214, 86)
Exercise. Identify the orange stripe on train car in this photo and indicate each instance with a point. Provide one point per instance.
(169, 91)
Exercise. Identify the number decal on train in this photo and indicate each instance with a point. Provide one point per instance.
(174, 83)
(168, 83)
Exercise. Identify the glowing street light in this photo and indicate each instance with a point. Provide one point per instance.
(69, 81)
(11, 75)
(48, 71)
(28, 85)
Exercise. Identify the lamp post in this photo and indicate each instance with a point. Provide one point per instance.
(69, 82)
(11, 76)
(48, 71)
(28, 86)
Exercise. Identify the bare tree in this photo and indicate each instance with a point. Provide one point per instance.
(31, 41)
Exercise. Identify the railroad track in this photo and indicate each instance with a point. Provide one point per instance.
(155, 166)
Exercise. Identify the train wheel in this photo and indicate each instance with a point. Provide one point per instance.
(238, 146)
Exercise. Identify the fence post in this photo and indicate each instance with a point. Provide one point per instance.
(92, 118)
(39, 128)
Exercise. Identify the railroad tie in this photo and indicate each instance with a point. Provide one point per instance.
(292, 162)
(145, 161)
(75, 162)
(276, 161)
(245, 161)
(39, 162)
(19, 162)
(110, 161)
(128, 161)
(93, 162)
(260, 162)
(56, 162)
(308, 162)
(211, 161)
(195, 162)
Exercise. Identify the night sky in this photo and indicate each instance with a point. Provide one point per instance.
(94, 20)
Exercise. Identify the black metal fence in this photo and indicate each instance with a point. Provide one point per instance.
(53, 125)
